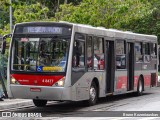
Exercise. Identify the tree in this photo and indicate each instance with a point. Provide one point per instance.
(4, 14)
(106, 13)
(149, 24)
(140, 16)
(33, 12)
(25, 12)
(29, 10)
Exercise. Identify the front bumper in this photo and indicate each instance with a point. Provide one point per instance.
(46, 93)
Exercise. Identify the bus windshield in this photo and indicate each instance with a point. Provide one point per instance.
(40, 54)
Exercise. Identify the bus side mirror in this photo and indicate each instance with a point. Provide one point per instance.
(3, 45)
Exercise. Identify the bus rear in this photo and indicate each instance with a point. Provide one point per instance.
(38, 62)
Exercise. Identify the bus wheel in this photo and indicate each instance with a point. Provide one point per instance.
(40, 103)
(140, 87)
(93, 94)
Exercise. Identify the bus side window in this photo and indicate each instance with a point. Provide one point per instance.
(138, 51)
(89, 53)
(153, 49)
(98, 54)
(120, 54)
(78, 59)
(146, 52)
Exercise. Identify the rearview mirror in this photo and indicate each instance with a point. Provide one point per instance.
(3, 45)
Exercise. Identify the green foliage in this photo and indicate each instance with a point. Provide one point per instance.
(29, 10)
(4, 13)
(23, 13)
(106, 13)
(5, 30)
(139, 16)
(33, 12)
(149, 24)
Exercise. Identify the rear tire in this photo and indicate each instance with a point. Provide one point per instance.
(40, 103)
(93, 94)
(140, 87)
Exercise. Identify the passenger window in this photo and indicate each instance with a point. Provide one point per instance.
(146, 52)
(153, 48)
(89, 53)
(98, 54)
(146, 49)
(138, 51)
(120, 55)
(79, 51)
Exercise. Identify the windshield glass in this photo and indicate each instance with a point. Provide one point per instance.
(40, 54)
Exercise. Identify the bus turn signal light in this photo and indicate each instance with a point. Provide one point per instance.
(60, 83)
(14, 81)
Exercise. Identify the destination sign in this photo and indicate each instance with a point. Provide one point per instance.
(54, 30)
(43, 30)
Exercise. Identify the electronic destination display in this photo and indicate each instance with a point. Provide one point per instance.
(42, 30)
(54, 30)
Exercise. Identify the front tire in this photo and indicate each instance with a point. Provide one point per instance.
(140, 87)
(40, 103)
(93, 94)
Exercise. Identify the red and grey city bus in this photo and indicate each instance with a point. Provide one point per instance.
(64, 61)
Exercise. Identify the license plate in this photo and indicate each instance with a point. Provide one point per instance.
(35, 89)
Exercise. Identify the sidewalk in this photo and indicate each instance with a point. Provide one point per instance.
(14, 103)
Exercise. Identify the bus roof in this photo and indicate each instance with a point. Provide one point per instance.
(99, 31)
(115, 33)
(42, 23)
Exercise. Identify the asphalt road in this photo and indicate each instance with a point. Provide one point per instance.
(112, 106)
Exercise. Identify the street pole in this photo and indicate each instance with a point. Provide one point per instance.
(65, 1)
(10, 14)
(58, 6)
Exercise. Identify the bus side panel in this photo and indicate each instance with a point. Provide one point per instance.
(153, 68)
(137, 73)
(101, 76)
(81, 85)
(120, 85)
(148, 73)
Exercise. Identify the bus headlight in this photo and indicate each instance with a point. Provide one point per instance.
(14, 81)
(60, 83)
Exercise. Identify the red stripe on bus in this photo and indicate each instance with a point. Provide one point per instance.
(122, 82)
(38, 80)
(136, 81)
(147, 80)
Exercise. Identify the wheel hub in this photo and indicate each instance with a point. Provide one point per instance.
(92, 93)
(140, 86)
